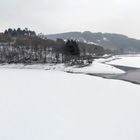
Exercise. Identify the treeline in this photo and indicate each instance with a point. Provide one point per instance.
(24, 46)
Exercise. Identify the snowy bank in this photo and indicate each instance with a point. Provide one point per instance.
(96, 68)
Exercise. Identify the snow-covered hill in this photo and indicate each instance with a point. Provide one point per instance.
(121, 43)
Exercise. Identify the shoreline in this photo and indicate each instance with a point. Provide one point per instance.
(131, 74)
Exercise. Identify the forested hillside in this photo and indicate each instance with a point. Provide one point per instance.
(25, 46)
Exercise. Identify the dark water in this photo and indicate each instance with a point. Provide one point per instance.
(132, 74)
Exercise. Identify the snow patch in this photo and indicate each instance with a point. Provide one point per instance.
(105, 39)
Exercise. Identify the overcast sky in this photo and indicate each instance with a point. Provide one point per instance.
(55, 16)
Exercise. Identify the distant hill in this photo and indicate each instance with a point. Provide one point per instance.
(120, 43)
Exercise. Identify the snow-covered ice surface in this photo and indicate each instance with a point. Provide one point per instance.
(126, 60)
(54, 105)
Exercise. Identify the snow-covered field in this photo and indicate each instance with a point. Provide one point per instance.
(54, 105)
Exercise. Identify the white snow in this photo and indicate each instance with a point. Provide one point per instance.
(92, 43)
(96, 68)
(105, 39)
(52, 105)
(128, 60)
(106, 59)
